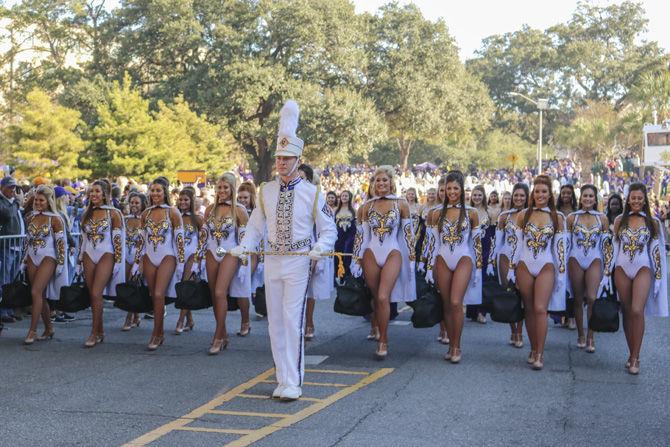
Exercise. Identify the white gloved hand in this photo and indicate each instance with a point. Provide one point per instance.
(135, 269)
(657, 287)
(237, 251)
(421, 267)
(355, 268)
(23, 266)
(59, 269)
(79, 270)
(316, 253)
(511, 276)
(490, 271)
(429, 277)
(604, 286)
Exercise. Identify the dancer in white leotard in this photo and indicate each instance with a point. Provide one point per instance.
(193, 223)
(589, 231)
(46, 246)
(454, 259)
(539, 264)
(386, 245)
(640, 271)
(225, 224)
(501, 250)
(101, 253)
(137, 203)
(162, 254)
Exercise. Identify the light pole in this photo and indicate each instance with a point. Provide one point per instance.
(541, 104)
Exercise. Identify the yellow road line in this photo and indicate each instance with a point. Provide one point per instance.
(226, 431)
(249, 413)
(260, 396)
(312, 409)
(250, 436)
(333, 371)
(198, 412)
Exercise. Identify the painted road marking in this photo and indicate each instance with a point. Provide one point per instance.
(283, 420)
(315, 359)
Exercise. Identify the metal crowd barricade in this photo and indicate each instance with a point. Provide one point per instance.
(12, 252)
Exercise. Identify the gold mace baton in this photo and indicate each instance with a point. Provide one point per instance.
(220, 251)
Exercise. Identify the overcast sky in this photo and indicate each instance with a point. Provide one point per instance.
(470, 21)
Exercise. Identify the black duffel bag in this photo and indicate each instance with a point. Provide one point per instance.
(422, 287)
(193, 294)
(605, 313)
(133, 296)
(74, 297)
(260, 305)
(506, 304)
(232, 304)
(353, 298)
(16, 293)
(428, 309)
(490, 287)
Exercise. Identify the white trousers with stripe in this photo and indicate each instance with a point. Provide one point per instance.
(286, 280)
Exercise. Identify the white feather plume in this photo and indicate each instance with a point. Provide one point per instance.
(288, 118)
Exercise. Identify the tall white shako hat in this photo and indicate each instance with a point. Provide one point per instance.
(288, 144)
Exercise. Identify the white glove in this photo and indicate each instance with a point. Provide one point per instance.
(23, 266)
(511, 276)
(116, 269)
(237, 251)
(135, 270)
(79, 270)
(316, 253)
(657, 287)
(179, 271)
(421, 267)
(490, 271)
(59, 269)
(429, 277)
(604, 286)
(355, 268)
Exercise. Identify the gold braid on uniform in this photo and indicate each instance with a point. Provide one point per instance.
(116, 243)
(656, 256)
(180, 248)
(478, 250)
(608, 254)
(60, 248)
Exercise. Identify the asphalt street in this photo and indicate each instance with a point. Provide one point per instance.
(57, 393)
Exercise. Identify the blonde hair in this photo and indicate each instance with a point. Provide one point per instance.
(231, 180)
(390, 173)
(48, 193)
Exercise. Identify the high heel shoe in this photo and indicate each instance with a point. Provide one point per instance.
(30, 338)
(634, 368)
(217, 346)
(628, 363)
(531, 358)
(128, 324)
(246, 329)
(179, 329)
(309, 333)
(136, 323)
(443, 338)
(93, 340)
(154, 343)
(512, 339)
(374, 334)
(581, 342)
(47, 335)
(382, 351)
(456, 356)
(590, 345)
(518, 343)
(538, 364)
(189, 326)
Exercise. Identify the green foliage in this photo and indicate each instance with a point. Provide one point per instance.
(45, 141)
(417, 81)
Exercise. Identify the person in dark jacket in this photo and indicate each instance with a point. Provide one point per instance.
(11, 224)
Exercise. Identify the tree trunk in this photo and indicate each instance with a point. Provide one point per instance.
(264, 161)
(404, 146)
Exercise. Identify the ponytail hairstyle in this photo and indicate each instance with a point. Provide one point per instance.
(48, 193)
(453, 176)
(543, 179)
(106, 188)
(188, 192)
(162, 181)
(648, 220)
(595, 194)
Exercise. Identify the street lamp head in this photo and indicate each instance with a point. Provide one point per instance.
(543, 104)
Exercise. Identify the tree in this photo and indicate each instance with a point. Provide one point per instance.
(417, 81)
(45, 141)
(652, 94)
(238, 61)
